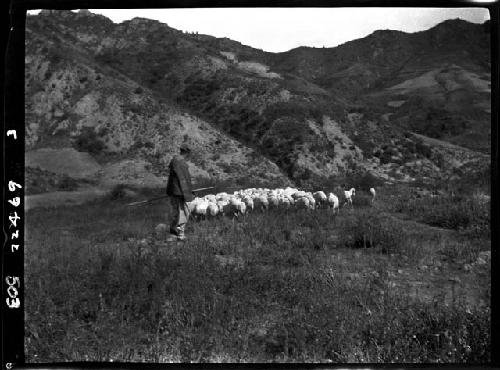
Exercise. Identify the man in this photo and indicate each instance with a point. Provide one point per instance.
(179, 189)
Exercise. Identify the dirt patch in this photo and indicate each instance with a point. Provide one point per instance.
(62, 198)
(257, 68)
(66, 161)
(229, 55)
(425, 81)
(396, 103)
(130, 172)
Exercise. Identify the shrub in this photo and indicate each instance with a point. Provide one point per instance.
(120, 191)
(446, 211)
(367, 229)
(363, 180)
(422, 149)
(362, 200)
(385, 158)
(89, 141)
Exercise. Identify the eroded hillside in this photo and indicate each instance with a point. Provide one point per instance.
(128, 94)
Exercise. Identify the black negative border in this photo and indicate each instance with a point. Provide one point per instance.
(13, 170)
(13, 155)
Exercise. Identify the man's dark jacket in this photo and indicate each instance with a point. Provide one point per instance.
(179, 180)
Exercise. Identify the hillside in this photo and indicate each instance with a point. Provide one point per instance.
(128, 94)
(75, 104)
(435, 82)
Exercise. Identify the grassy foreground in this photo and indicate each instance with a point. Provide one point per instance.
(373, 284)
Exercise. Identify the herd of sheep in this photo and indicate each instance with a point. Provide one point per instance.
(259, 199)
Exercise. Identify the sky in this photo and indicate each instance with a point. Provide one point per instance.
(282, 29)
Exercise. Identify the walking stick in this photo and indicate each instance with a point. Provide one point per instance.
(165, 196)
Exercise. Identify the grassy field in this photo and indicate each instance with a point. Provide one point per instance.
(381, 283)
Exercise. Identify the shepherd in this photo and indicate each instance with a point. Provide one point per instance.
(180, 190)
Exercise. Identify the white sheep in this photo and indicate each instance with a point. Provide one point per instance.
(222, 196)
(234, 207)
(242, 208)
(261, 203)
(273, 201)
(221, 204)
(212, 209)
(211, 198)
(321, 198)
(312, 201)
(192, 205)
(348, 196)
(249, 203)
(200, 209)
(285, 202)
(333, 202)
(302, 203)
(299, 194)
(373, 193)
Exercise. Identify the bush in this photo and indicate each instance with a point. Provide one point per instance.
(422, 149)
(89, 141)
(367, 229)
(363, 181)
(121, 191)
(362, 200)
(446, 211)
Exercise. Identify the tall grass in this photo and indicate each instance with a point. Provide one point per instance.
(447, 211)
(100, 287)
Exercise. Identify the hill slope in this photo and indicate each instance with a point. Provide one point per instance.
(130, 93)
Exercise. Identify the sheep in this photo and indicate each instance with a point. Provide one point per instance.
(302, 203)
(249, 203)
(234, 207)
(321, 198)
(285, 201)
(333, 201)
(312, 201)
(221, 205)
(273, 201)
(373, 193)
(192, 205)
(222, 196)
(213, 209)
(242, 208)
(299, 194)
(261, 203)
(200, 209)
(243, 201)
(348, 196)
(211, 198)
